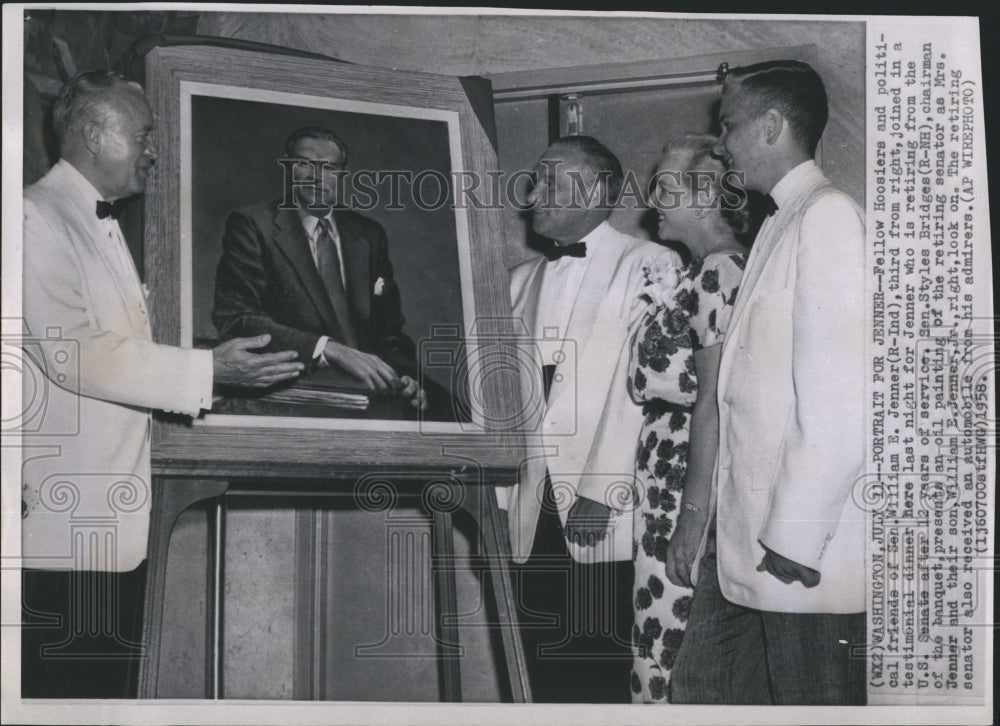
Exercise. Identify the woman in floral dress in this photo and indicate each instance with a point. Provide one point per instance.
(673, 372)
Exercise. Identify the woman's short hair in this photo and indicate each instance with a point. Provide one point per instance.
(697, 152)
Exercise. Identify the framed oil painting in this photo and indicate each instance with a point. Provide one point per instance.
(229, 253)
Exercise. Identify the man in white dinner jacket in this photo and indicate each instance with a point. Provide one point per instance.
(97, 372)
(784, 621)
(574, 493)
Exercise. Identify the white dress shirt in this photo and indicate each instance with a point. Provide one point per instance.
(557, 298)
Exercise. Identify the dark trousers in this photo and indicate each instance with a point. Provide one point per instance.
(736, 655)
(81, 633)
(575, 621)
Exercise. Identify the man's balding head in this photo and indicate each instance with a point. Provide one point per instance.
(577, 183)
(105, 130)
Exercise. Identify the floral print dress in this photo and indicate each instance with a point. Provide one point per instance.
(678, 321)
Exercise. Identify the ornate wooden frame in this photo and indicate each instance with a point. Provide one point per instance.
(219, 445)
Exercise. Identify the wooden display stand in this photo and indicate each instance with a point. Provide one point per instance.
(172, 495)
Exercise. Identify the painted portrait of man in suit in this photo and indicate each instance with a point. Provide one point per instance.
(296, 230)
(315, 274)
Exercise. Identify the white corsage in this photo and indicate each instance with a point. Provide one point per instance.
(660, 282)
(379, 287)
(145, 291)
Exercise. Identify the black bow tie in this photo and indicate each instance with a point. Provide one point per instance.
(108, 209)
(768, 205)
(577, 249)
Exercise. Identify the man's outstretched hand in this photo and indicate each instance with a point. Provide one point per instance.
(587, 522)
(787, 570)
(233, 363)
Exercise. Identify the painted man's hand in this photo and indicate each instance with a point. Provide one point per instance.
(413, 393)
(375, 372)
(787, 570)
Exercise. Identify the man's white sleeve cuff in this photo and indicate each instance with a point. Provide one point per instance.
(318, 354)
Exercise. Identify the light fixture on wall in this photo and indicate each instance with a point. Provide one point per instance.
(565, 88)
(572, 114)
(565, 92)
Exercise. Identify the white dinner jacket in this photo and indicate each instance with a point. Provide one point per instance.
(587, 436)
(93, 374)
(791, 405)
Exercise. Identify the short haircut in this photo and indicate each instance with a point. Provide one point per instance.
(313, 132)
(600, 160)
(89, 97)
(696, 153)
(791, 87)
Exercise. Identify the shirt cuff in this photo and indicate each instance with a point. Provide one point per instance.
(193, 386)
(205, 377)
(318, 354)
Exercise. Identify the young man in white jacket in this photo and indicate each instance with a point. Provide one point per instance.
(784, 622)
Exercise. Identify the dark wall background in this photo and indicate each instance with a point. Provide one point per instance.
(491, 45)
(60, 43)
(234, 151)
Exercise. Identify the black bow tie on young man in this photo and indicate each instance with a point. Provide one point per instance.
(768, 205)
(554, 251)
(108, 209)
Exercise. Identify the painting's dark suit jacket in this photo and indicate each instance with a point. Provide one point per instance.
(267, 282)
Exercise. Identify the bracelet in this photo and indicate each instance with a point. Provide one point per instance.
(691, 507)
